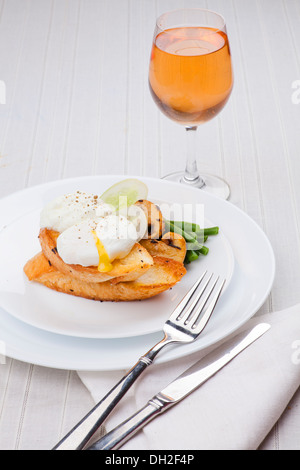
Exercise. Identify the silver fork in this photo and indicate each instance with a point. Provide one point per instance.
(184, 325)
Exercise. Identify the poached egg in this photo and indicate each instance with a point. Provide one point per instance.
(70, 209)
(97, 242)
(91, 233)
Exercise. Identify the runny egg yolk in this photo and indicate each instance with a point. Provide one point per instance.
(104, 261)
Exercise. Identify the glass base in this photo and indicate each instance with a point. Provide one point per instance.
(209, 183)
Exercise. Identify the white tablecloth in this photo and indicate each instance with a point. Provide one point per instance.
(233, 410)
(74, 100)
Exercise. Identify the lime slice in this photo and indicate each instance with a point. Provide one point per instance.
(131, 188)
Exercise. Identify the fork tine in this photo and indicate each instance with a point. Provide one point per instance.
(199, 325)
(188, 313)
(183, 303)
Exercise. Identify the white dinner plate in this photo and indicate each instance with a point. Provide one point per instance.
(56, 330)
(57, 312)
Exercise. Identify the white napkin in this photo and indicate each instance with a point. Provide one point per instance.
(235, 409)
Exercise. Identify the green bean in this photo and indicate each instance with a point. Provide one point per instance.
(190, 256)
(189, 238)
(211, 231)
(203, 250)
(193, 235)
(186, 226)
(189, 227)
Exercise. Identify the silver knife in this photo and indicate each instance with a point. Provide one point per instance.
(181, 387)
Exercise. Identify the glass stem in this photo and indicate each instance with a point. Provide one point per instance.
(191, 171)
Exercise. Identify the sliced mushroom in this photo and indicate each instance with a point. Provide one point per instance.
(154, 218)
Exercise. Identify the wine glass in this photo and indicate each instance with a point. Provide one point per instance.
(190, 79)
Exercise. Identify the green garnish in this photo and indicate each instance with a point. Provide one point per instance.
(194, 237)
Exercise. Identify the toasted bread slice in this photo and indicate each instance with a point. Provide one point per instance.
(133, 265)
(161, 276)
(171, 245)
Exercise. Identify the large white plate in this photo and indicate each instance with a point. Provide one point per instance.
(240, 236)
(65, 314)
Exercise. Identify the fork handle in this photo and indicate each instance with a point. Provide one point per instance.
(120, 434)
(82, 432)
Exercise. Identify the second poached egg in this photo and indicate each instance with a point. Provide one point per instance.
(65, 211)
(97, 242)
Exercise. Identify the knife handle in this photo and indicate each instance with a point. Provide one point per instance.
(120, 434)
(78, 437)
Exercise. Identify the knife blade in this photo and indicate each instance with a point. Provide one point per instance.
(177, 390)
